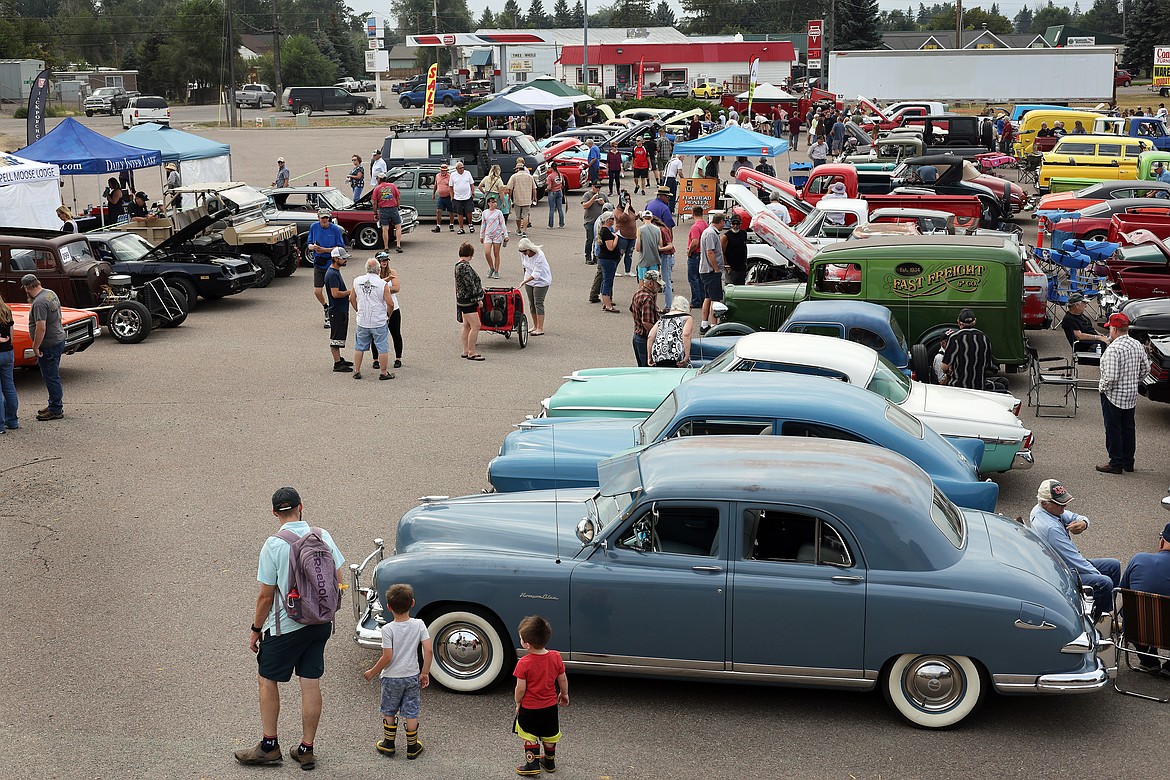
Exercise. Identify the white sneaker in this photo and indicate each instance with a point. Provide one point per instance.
(618, 273)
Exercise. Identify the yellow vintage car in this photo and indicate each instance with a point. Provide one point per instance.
(706, 89)
(1099, 157)
(1031, 122)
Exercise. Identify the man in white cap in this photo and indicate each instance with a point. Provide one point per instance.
(340, 301)
(523, 196)
(1054, 524)
(377, 164)
(282, 174)
(174, 181)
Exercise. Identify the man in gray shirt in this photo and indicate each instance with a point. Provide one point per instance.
(592, 202)
(48, 340)
(647, 243)
(711, 267)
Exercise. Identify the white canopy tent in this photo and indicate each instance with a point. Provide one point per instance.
(30, 193)
(767, 93)
(539, 100)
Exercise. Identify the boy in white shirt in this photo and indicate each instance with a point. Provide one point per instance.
(402, 680)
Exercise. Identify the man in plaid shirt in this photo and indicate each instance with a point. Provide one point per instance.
(644, 307)
(1122, 367)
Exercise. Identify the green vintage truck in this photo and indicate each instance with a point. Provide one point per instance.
(924, 280)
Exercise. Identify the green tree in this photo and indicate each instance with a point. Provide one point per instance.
(1023, 20)
(537, 19)
(151, 72)
(303, 64)
(511, 17)
(578, 15)
(973, 19)
(196, 52)
(630, 13)
(858, 25)
(663, 15)
(1104, 17)
(1147, 27)
(1049, 16)
(894, 21)
(562, 14)
(487, 20)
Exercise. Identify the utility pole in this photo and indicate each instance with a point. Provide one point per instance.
(828, 38)
(275, 50)
(435, 19)
(958, 24)
(585, 48)
(231, 54)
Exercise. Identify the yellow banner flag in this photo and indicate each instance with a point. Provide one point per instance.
(432, 78)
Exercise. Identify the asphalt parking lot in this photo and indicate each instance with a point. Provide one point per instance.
(133, 527)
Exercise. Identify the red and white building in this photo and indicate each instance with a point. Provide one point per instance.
(617, 65)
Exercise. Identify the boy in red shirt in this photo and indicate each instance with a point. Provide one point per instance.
(541, 684)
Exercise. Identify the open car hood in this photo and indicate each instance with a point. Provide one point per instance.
(794, 247)
(189, 233)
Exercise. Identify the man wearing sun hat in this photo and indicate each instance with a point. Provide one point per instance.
(174, 181)
(1123, 365)
(1054, 524)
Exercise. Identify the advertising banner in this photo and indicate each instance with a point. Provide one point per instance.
(1161, 70)
(695, 192)
(816, 43)
(38, 98)
(432, 77)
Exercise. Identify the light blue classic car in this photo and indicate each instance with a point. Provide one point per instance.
(564, 452)
(798, 562)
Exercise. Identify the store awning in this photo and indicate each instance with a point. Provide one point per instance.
(481, 57)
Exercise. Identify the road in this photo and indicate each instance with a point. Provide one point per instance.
(133, 525)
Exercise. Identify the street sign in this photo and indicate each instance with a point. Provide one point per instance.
(377, 43)
(1082, 40)
(816, 42)
(377, 61)
(375, 27)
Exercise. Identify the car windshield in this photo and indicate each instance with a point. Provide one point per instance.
(720, 363)
(949, 519)
(129, 247)
(76, 252)
(656, 423)
(244, 197)
(889, 382)
(336, 200)
(524, 143)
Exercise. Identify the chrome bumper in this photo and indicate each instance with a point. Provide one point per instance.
(366, 609)
(1074, 682)
(1023, 460)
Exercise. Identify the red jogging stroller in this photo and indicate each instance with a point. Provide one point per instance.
(502, 311)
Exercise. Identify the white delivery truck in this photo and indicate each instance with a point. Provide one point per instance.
(1082, 74)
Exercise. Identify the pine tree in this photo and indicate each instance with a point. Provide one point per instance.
(562, 14)
(487, 20)
(664, 15)
(537, 18)
(511, 17)
(1023, 20)
(858, 25)
(1147, 27)
(578, 18)
(1103, 17)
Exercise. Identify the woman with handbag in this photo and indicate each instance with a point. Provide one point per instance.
(468, 297)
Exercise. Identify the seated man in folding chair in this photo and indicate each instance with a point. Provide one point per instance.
(1150, 573)
(1079, 329)
(1055, 525)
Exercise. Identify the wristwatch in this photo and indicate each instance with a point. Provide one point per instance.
(257, 630)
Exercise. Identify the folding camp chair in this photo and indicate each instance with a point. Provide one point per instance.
(1059, 375)
(1143, 620)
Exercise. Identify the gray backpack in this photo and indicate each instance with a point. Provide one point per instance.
(313, 595)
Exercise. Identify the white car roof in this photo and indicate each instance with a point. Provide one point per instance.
(854, 360)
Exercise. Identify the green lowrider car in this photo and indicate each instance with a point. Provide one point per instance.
(954, 413)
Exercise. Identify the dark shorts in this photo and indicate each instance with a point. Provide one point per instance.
(641, 173)
(389, 216)
(473, 309)
(444, 204)
(464, 207)
(712, 285)
(543, 724)
(338, 326)
(302, 650)
(319, 276)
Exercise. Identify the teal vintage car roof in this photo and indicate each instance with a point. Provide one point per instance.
(884, 498)
(620, 391)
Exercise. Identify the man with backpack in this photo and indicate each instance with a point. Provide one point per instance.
(300, 575)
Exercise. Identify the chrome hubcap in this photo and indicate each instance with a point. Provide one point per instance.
(125, 322)
(933, 683)
(462, 650)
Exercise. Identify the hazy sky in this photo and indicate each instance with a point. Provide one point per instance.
(1008, 8)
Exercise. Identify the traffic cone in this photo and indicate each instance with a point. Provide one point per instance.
(326, 175)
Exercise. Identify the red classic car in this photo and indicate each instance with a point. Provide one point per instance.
(1092, 223)
(81, 328)
(1142, 269)
(1121, 225)
(1101, 191)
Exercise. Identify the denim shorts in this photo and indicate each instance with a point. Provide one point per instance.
(379, 337)
(712, 285)
(401, 696)
(389, 216)
(444, 204)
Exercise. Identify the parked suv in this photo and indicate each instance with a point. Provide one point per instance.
(146, 108)
(255, 95)
(306, 100)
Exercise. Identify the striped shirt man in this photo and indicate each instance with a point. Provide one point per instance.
(967, 358)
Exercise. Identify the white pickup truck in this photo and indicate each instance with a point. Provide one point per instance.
(146, 108)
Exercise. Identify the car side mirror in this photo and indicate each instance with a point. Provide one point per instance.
(587, 530)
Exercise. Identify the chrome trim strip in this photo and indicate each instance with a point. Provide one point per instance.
(1044, 626)
(1079, 646)
(642, 661)
(1076, 682)
(867, 682)
(562, 409)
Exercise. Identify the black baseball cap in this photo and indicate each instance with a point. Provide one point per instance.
(966, 315)
(285, 498)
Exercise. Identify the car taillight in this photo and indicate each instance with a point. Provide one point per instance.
(1159, 372)
(1028, 440)
(1016, 408)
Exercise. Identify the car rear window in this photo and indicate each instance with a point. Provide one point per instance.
(949, 519)
(151, 102)
(904, 420)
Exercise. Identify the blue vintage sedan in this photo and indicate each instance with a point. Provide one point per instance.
(756, 560)
(565, 451)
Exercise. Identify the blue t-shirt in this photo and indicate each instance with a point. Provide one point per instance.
(273, 570)
(1148, 572)
(327, 237)
(333, 281)
(661, 210)
(594, 156)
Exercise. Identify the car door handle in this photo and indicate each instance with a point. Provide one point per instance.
(847, 579)
(707, 569)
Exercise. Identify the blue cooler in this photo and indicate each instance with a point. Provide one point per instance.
(798, 173)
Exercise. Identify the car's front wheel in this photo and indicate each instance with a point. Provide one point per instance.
(360, 108)
(263, 261)
(470, 652)
(129, 322)
(934, 691)
(369, 237)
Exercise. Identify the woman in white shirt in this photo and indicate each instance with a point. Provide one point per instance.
(537, 280)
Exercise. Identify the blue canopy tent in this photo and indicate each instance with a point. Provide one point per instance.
(198, 159)
(77, 150)
(734, 141)
(501, 106)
